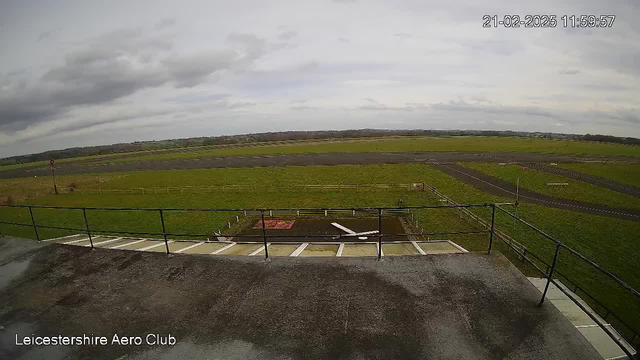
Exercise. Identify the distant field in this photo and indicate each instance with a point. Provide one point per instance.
(610, 242)
(537, 181)
(624, 173)
(391, 144)
(460, 144)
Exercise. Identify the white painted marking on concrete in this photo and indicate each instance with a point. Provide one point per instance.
(127, 244)
(340, 250)
(590, 326)
(347, 230)
(105, 242)
(418, 248)
(75, 241)
(378, 248)
(299, 250)
(259, 250)
(60, 238)
(458, 246)
(154, 245)
(189, 247)
(223, 249)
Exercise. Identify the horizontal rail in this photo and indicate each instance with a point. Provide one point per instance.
(251, 209)
(577, 254)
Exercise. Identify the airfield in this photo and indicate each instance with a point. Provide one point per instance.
(583, 195)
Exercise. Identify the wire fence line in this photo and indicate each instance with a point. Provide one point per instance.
(238, 188)
(547, 269)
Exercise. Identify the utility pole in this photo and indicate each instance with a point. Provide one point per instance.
(52, 163)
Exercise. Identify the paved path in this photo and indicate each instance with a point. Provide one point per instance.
(503, 188)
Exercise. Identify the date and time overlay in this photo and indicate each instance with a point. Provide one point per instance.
(548, 21)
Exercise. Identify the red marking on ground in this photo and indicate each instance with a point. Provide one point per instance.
(275, 224)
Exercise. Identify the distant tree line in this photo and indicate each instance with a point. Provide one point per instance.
(294, 135)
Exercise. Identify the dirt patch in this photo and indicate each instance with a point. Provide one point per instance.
(323, 231)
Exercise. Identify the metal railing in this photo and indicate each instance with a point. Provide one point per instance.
(378, 212)
(550, 271)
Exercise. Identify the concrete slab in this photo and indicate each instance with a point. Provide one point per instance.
(399, 249)
(360, 250)
(320, 250)
(206, 248)
(439, 248)
(173, 246)
(573, 312)
(470, 306)
(241, 249)
(115, 243)
(602, 342)
(66, 238)
(282, 250)
(140, 245)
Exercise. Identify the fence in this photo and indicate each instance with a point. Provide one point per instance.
(247, 188)
(549, 272)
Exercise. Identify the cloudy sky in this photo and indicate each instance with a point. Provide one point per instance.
(76, 73)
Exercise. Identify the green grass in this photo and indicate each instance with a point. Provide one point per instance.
(624, 173)
(391, 144)
(611, 243)
(416, 144)
(537, 181)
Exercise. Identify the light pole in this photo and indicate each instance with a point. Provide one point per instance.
(52, 163)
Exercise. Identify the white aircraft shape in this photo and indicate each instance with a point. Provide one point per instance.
(353, 233)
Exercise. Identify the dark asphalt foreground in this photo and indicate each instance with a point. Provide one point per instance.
(500, 187)
(467, 306)
(308, 159)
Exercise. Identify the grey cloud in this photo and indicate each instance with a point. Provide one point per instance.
(240, 105)
(194, 69)
(303, 107)
(111, 67)
(501, 47)
(343, 1)
(253, 46)
(49, 33)
(165, 23)
(287, 35)
(569, 72)
(464, 106)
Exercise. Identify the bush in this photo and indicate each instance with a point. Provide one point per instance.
(73, 186)
(10, 200)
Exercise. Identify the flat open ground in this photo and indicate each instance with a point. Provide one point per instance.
(464, 306)
(309, 159)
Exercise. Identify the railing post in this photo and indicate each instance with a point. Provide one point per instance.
(164, 231)
(553, 267)
(379, 234)
(33, 221)
(86, 223)
(264, 235)
(493, 224)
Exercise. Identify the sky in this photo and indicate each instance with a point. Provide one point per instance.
(79, 73)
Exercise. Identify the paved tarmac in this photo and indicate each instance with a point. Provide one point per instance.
(455, 306)
(500, 187)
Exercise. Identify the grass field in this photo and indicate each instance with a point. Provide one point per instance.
(391, 144)
(610, 242)
(624, 173)
(537, 181)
